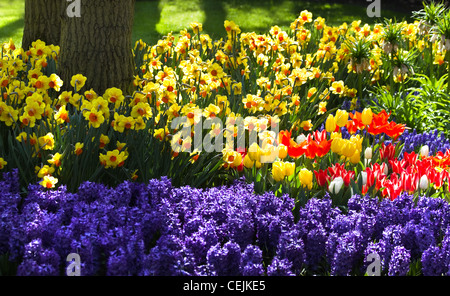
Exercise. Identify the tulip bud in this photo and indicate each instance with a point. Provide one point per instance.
(424, 151)
(341, 118)
(336, 185)
(330, 124)
(368, 153)
(367, 116)
(423, 183)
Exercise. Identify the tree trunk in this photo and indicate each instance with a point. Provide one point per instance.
(98, 45)
(42, 21)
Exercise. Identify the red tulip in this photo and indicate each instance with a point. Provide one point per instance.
(322, 177)
(387, 152)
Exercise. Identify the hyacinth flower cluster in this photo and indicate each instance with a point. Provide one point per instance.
(158, 229)
(414, 141)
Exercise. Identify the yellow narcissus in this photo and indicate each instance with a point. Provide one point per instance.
(47, 142)
(113, 159)
(3, 163)
(78, 81)
(94, 117)
(78, 148)
(48, 182)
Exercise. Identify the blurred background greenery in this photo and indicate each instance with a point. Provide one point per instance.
(155, 18)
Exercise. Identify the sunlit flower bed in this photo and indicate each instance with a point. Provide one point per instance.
(306, 119)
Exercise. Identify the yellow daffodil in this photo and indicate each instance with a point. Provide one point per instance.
(47, 142)
(78, 148)
(48, 182)
(94, 117)
(3, 163)
(78, 81)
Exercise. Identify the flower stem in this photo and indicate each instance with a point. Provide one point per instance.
(447, 57)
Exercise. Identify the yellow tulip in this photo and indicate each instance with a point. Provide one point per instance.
(357, 140)
(289, 168)
(367, 116)
(306, 177)
(341, 117)
(248, 162)
(278, 171)
(330, 124)
(348, 149)
(254, 152)
(356, 157)
(336, 145)
(282, 151)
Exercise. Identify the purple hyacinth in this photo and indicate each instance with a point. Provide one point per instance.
(400, 261)
(413, 141)
(374, 250)
(433, 262)
(38, 261)
(280, 267)
(224, 261)
(315, 246)
(344, 251)
(167, 258)
(252, 261)
(292, 247)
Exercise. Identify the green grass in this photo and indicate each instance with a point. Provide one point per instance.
(11, 20)
(153, 19)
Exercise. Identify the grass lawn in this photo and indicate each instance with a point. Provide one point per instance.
(155, 18)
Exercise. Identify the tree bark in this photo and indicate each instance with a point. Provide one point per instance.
(98, 45)
(42, 21)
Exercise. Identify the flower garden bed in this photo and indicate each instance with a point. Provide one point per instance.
(336, 150)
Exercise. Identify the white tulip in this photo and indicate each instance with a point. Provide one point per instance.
(336, 185)
(385, 168)
(424, 151)
(364, 178)
(301, 138)
(423, 183)
(368, 153)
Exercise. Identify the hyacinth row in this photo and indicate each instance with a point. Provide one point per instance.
(158, 229)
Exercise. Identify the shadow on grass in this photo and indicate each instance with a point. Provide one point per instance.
(147, 15)
(7, 31)
(215, 16)
(339, 12)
